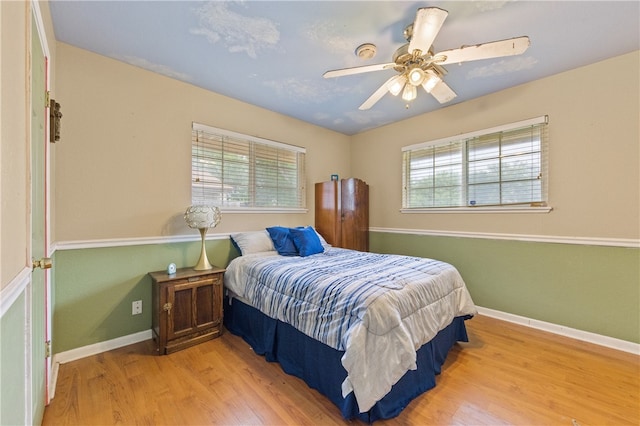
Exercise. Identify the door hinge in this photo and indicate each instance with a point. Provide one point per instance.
(47, 349)
(47, 99)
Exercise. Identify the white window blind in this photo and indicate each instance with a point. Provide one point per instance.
(502, 166)
(238, 171)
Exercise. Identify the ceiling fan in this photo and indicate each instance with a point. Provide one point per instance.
(417, 65)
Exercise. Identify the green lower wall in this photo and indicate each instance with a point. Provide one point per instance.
(94, 288)
(18, 363)
(590, 288)
(12, 364)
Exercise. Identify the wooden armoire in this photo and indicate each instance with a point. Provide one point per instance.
(342, 213)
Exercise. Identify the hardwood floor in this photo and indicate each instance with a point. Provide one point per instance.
(506, 374)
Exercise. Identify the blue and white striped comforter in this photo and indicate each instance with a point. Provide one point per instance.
(378, 309)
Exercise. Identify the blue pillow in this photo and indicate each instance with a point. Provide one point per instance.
(306, 241)
(282, 241)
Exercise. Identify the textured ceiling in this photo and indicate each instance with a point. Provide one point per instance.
(273, 53)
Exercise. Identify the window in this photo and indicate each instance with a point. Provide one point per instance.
(235, 171)
(502, 166)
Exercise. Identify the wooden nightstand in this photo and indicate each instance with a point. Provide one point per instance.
(186, 307)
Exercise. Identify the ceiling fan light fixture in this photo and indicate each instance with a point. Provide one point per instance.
(416, 63)
(396, 84)
(410, 92)
(417, 76)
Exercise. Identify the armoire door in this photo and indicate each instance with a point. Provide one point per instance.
(355, 214)
(327, 211)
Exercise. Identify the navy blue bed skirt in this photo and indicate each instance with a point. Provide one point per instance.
(320, 367)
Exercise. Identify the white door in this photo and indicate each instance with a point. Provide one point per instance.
(40, 279)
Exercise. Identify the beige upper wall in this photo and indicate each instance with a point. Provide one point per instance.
(123, 164)
(15, 27)
(594, 154)
(122, 168)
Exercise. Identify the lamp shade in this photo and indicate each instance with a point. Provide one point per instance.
(202, 216)
(409, 92)
(396, 84)
(430, 82)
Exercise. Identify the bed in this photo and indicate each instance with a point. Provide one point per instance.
(369, 331)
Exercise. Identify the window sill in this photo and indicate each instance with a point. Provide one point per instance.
(262, 210)
(512, 209)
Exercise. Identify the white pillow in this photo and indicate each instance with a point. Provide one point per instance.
(324, 243)
(252, 242)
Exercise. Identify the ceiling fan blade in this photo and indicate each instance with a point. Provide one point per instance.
(428, 22)
(442, 92)
(495, 49)
(358, 70)
(377, 95)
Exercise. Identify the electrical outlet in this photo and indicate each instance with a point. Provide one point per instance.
(136, 307)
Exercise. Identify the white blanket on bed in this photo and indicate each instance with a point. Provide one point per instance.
(378, 309)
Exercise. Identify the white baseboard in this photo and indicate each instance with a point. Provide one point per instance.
(97, 348)
(585, 336)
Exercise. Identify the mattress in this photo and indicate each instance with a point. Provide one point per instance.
(376, 309)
